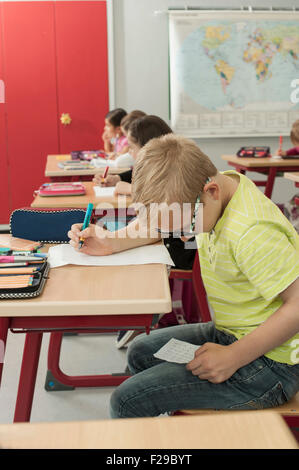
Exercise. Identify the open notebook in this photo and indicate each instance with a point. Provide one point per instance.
(61, 255)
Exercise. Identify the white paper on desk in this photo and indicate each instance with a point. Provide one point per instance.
(102, 191)
(102, 163)
(61, 255)
(177, 351)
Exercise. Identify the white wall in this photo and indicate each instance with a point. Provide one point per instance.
(141, 69)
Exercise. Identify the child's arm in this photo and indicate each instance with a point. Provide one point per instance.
(280, 152)
(277, 329)
(293, 151)
(217, 363)
(100, 242)
(123, 188)
(124, 150)
(271, 263)
(108, 147)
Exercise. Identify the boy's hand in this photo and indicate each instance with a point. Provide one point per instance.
(110, 180)
(281, 153)
(96, 241)
(213, 362)
(123, 188)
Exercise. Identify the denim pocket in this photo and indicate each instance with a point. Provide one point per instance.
(273, 397)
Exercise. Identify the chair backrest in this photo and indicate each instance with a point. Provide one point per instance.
(200, 291)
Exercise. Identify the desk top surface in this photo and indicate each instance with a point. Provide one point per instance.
(260, 162)
(292, 176)
(106, 202)
(230, 430)
(52, 168)
(97, 290)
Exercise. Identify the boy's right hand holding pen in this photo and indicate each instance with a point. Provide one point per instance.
(110, 180)
(96, 240)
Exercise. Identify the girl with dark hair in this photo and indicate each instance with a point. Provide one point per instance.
(115, 142)
(140, 132)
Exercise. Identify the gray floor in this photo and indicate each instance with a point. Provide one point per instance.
(80, 355)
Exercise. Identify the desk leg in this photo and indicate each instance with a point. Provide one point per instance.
(27, 380)
(270, 181)
(4, 324)
(241, 170)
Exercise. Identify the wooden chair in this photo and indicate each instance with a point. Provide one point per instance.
(289, 411)
(291, 408)
(194, 275)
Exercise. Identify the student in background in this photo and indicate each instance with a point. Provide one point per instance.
(126, 159)
(115, 142)
(139, 133)
(294, 136)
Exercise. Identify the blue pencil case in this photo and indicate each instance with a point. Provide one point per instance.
(44, 225)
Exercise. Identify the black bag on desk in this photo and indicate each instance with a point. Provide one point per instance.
(34, 290)
(254, 152)
(44, 225)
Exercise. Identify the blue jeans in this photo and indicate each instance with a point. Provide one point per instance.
(158, 386)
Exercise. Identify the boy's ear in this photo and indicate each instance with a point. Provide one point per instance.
(212, 189)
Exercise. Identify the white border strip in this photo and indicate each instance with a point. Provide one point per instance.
(111, 63)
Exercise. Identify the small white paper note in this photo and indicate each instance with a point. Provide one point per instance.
(177, 351)
(61, 255)
(104, 191)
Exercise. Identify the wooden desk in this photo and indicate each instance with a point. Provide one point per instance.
(82, 298)
(248, 430)
(120, 202)
(59, 174)
(268, 166)
(293, 177)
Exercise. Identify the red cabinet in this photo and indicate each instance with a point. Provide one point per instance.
(53, 60)
(81, 51)
(4, 192)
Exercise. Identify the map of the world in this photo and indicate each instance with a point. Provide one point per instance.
(232, 76)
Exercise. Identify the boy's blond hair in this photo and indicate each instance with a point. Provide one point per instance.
(170, 169)
(295, 132)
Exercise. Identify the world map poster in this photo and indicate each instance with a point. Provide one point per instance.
(233, 73)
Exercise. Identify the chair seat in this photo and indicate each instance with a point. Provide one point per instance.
(291, 408)
(181, 274)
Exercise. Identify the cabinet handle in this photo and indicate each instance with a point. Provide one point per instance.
(65, 119)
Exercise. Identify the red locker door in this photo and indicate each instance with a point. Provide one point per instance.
(31, 98)
(4, 175)
(82, 72)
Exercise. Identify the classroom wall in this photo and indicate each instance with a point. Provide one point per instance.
(141, 69)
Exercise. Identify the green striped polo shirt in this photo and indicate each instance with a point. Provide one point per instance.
(250, 257)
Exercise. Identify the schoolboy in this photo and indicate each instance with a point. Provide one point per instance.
(249, 256)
